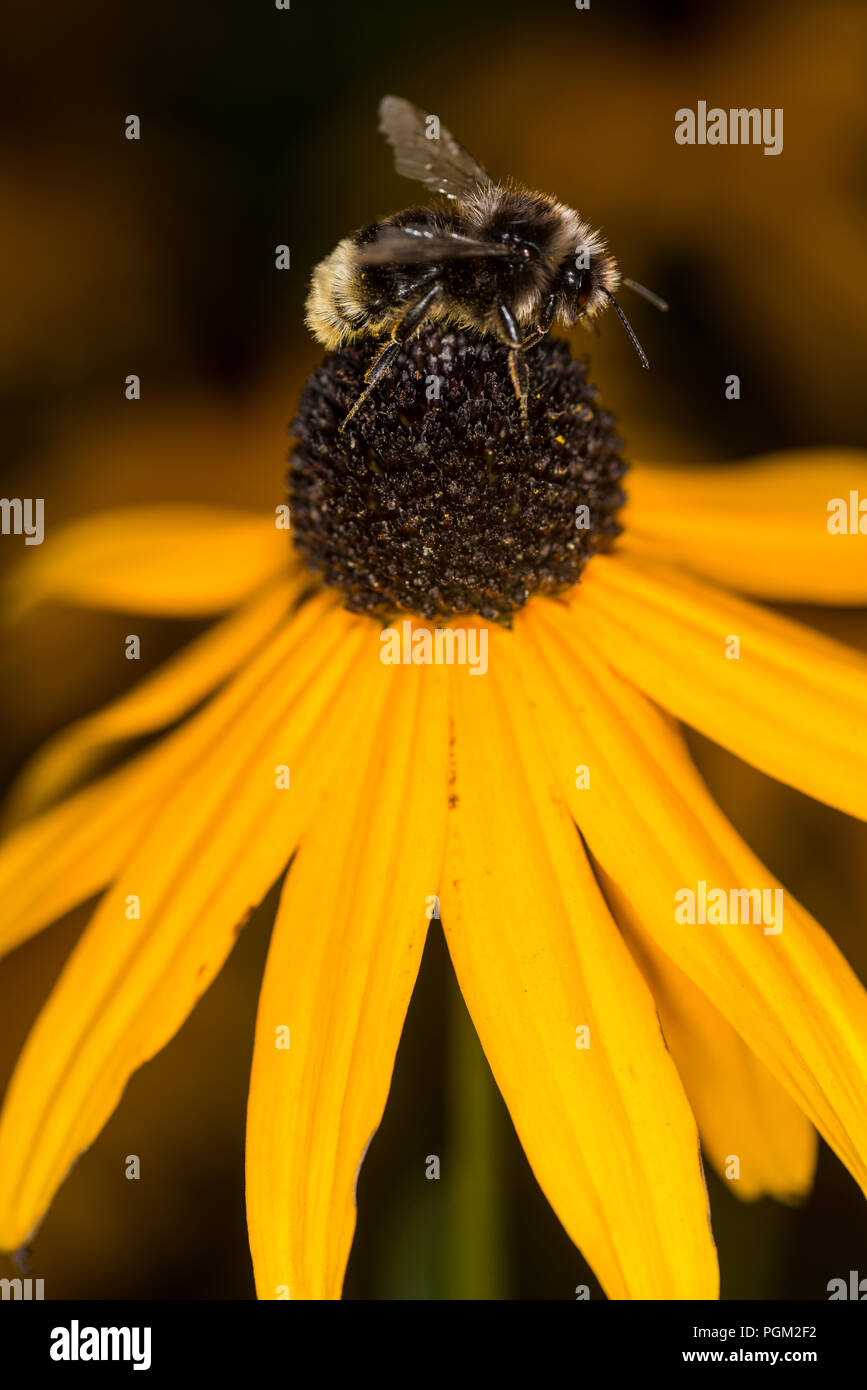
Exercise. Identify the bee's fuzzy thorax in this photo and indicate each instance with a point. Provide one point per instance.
(557, 228)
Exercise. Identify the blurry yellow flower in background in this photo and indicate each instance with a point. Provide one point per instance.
(389, 785)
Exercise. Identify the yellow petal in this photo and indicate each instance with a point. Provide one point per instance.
(761, 526)
(182, 561)
(743, 1112)
(652, 825)
(158, 700)
(63, 856)
(606, 1128)
(219, 840)
(793, 702)
(71, 852)
(343, 960)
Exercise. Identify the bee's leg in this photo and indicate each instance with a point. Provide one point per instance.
(533, 338)
(406, 325)
(521, 383)
(543, 323)
(517, 362)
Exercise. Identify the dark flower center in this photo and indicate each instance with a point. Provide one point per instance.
(433, 500)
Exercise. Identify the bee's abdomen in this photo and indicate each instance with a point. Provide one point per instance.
(335, 309)
(349, 297)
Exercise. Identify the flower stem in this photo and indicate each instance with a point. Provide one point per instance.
(473, 1180)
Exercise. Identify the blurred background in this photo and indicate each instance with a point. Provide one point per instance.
(157, 257)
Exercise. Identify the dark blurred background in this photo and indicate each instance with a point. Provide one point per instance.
(157, 257)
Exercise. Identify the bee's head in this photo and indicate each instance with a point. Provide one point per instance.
(584, 289)
(583, 285)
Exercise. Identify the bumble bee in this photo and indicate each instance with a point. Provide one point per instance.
(499, 260)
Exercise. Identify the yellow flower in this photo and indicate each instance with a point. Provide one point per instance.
(391, 787)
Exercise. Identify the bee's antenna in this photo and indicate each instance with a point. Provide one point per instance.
(645, 293)
(628, 326)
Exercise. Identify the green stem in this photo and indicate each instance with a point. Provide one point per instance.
(472, 1175)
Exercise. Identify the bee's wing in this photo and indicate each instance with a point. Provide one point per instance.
(421, 246)
(442, 164)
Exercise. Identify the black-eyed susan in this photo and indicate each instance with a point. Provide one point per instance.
(336, 739)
